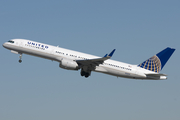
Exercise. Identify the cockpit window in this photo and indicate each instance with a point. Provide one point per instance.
(11, 41)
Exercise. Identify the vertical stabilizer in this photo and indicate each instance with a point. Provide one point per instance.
(157, 62)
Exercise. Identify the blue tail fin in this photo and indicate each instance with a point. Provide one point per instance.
(157, 62)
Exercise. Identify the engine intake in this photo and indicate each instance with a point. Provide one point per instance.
(68, 64)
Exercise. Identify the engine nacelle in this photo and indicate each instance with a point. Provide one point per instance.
(68, 64)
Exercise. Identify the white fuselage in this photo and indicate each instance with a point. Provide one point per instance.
(54, 53)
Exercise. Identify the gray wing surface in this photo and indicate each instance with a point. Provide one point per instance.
(95, 62)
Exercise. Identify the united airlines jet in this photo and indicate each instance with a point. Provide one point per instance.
(72, 60)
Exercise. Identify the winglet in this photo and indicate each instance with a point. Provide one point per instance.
(106, 55)
(110, 55)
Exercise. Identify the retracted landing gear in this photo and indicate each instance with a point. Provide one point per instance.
(20, 57)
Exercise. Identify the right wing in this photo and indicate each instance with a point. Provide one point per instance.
(95, 62)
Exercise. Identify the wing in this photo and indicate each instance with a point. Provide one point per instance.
(95, 62)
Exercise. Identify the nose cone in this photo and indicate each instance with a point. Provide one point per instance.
(4, 45)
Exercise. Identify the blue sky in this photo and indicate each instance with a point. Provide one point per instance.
(38, 89)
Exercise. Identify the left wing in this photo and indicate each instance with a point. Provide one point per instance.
(95, 62)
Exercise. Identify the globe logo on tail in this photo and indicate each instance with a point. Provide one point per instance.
(152, 64)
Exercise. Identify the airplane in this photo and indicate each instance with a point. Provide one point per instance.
(73, 60)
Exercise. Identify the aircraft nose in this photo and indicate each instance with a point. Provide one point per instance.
(4, 45)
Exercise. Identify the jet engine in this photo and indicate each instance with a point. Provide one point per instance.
(68, 64)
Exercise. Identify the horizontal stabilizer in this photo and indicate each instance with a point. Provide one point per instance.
(156, 76)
